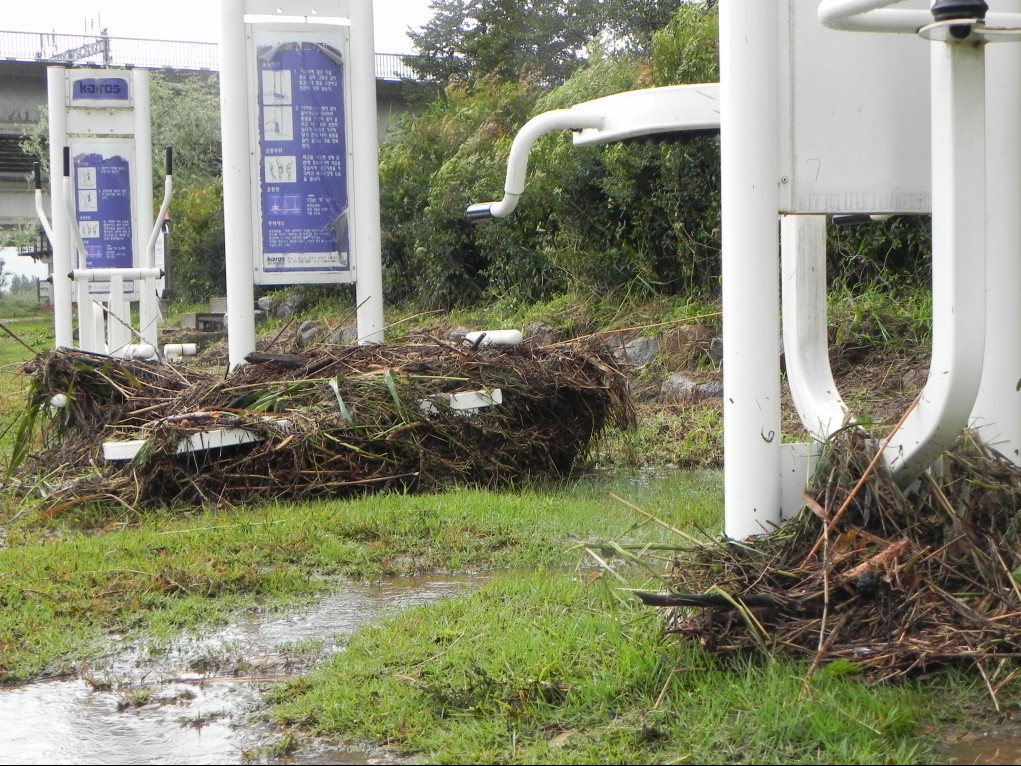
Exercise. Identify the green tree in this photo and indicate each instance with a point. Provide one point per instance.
(641, 217)
(631, 24)
(542, 41)
(186, 117)
(198, 268)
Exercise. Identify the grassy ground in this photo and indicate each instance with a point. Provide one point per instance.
(551, 662)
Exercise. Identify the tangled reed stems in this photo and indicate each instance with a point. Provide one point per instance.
(895, 583)
(337, 421)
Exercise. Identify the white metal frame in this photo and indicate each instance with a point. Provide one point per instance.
(975, 373)
(104, 319)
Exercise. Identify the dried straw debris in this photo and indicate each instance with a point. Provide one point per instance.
(337, 421)
(895, 583)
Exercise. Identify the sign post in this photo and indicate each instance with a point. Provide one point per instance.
(301, 186)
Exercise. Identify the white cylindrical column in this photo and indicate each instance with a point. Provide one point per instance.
(751, 266)
(996, 416)
(365, 228)
(60, 290)
(237, 183)
(148, 301)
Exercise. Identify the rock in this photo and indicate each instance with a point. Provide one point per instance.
(683, 347)
(637, 351)
(542, 334)
(289, 304)
(456, 335)
(307, 333)
(346, 336)
(716, 349)
(678, 388)
(710, 390)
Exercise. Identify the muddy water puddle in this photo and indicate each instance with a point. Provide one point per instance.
(200, 703)
(1000, 745)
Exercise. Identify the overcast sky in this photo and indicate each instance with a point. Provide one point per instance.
(197, 20)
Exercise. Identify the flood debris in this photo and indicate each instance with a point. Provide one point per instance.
(331, 422)
(894, 582)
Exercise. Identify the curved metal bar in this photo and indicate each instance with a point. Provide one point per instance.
(806, 347)
(871, 16)
(877, 16)
(517, 162)
(958, 190)
(958, 264)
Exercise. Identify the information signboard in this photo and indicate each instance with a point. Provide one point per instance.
(100, 133)
(304, 196)
(101, 177)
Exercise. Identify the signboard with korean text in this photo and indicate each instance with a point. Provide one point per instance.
(303, 196)
(101, 139)
(101, 179)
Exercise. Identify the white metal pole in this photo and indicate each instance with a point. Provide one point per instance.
(237, 183)
(751, 266)
(148, 303)
(365, 229)
(958, 262)
(60, 290)
(118, 334)
(88, 338)
(996, 416)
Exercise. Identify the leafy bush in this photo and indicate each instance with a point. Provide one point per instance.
(639, 217)
(867, 254)
(197, 266)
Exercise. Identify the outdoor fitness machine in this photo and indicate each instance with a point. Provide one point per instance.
(300, 155)
(814, 121)
(101, 210)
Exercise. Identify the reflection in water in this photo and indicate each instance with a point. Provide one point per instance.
(992, 748)
(197, 705)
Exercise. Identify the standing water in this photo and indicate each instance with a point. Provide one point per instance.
(198, 704)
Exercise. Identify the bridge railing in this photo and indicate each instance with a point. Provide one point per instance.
(145, 54)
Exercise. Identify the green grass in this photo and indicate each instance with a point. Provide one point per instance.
(545, 669)
(551, 662)
(66, 582)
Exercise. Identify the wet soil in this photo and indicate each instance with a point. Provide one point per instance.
(999, 744)
(200, 702)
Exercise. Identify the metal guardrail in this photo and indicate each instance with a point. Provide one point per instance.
(145, 54)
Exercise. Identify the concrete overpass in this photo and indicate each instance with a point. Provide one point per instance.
(25, 57)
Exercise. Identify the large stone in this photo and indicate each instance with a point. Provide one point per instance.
(636, 351)
(678, 388)
(346, 336)
(684, 347)
(541, 334)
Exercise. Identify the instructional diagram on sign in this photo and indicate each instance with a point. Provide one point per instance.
(102, 188)
(303, 160)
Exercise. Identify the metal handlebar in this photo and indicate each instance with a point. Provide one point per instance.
(517, 162)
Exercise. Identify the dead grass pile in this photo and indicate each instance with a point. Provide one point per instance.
(894, 582)
(332, 422)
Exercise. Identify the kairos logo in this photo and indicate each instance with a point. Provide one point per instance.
(114, 88)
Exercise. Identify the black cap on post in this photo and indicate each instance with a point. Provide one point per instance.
(945, 10)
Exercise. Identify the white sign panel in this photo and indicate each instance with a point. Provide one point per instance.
(303, 197)
(854, 117)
